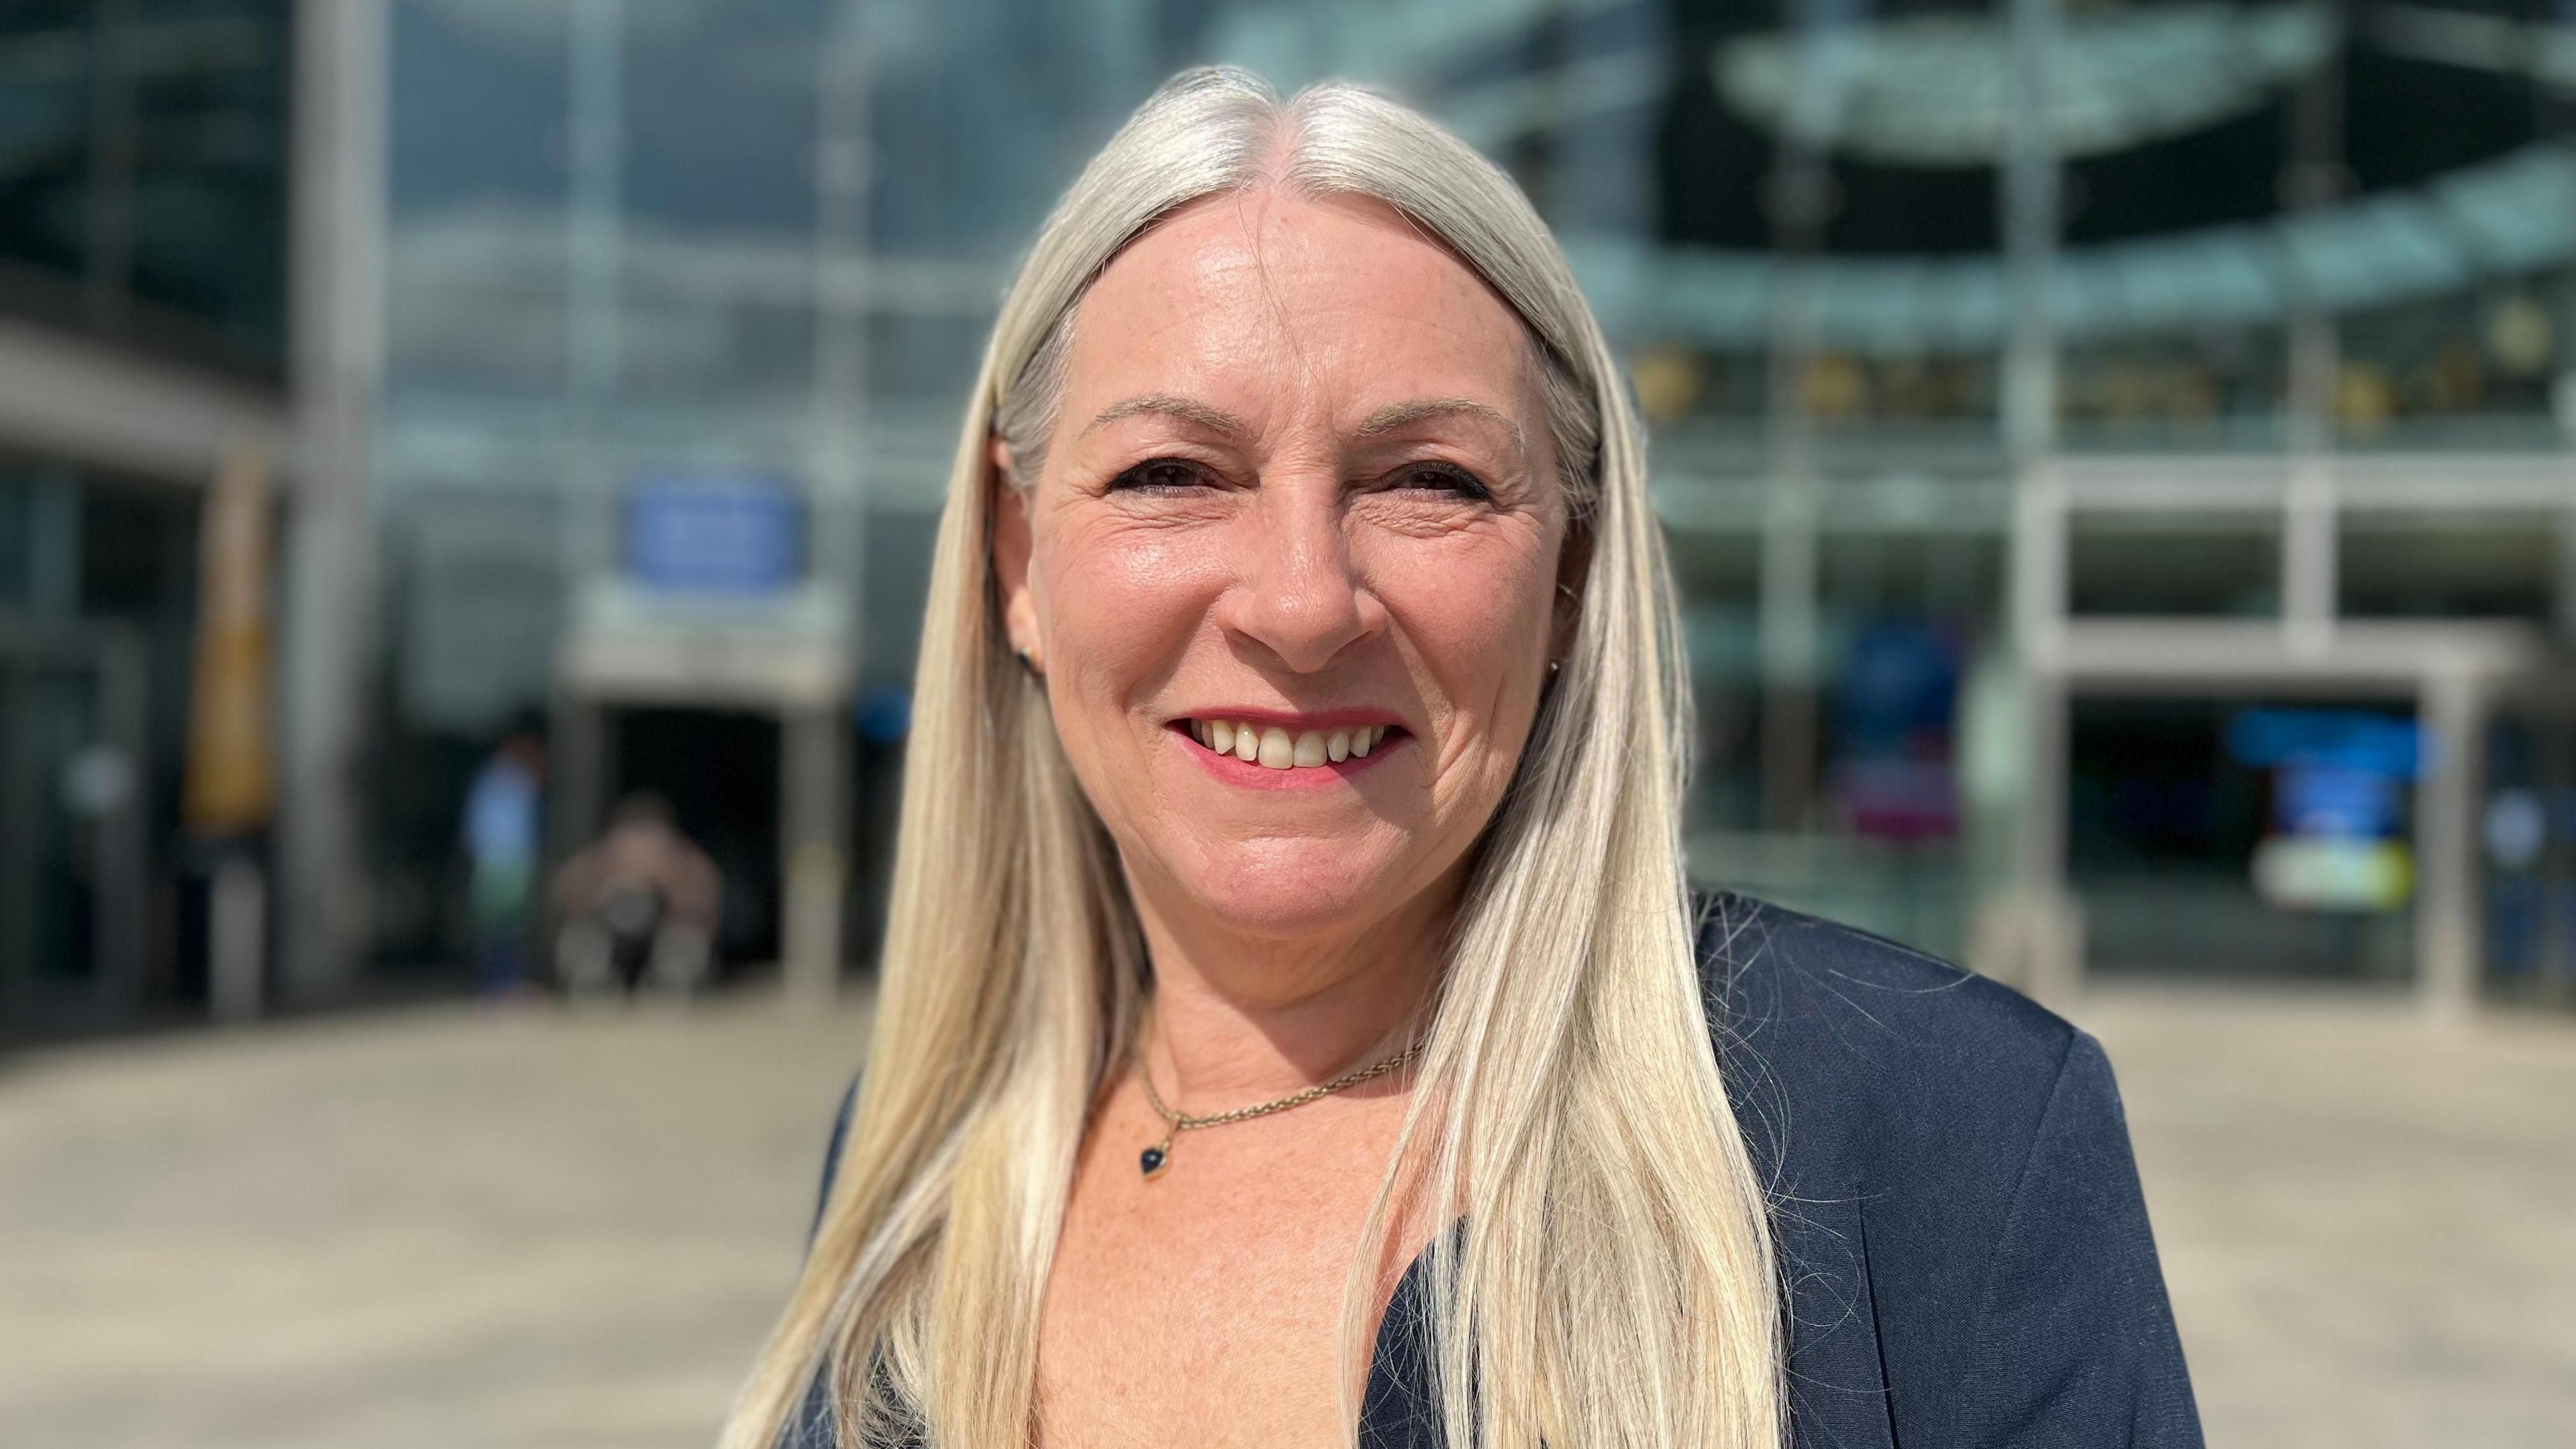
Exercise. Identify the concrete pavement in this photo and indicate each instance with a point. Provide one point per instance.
(432, 1230)
(2368, 1220)
(449, 1230)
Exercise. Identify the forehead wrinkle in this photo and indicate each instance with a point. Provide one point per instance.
(1256, 243)
(1241, 255)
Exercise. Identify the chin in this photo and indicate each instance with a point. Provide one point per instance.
(1284, 890)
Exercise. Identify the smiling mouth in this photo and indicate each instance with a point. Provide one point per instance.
(1276, 749)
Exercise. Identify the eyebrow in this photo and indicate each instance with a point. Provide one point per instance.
(1214, 419)
(1387, 419)
(1404, 414)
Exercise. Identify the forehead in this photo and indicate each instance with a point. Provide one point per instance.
(1268, 298)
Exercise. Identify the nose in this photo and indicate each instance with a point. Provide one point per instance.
(1296, 592)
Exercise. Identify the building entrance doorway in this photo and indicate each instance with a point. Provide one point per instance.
(719, 771)
(72, 847)
(2175, 831)
(739, 720)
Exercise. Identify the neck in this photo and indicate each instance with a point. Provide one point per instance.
(1238, 1020)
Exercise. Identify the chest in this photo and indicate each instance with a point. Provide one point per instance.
(1203, 1308)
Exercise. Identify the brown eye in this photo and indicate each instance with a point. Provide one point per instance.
(1442, 478)
(1159, 475)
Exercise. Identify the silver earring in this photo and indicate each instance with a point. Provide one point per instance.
(1551, 666)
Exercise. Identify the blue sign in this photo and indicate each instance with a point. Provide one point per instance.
(714, 534)
(2335, 802)
(2354, 739)
(884, 714)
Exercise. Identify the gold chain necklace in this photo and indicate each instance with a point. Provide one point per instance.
(1159, 1156)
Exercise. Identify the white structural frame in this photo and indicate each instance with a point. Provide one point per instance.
(2455, 670)
(336, 358)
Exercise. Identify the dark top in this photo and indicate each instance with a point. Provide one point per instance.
(1953, 1200)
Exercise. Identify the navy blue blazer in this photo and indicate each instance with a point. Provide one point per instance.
(1961, 1235)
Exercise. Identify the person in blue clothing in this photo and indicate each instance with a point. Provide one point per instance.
(504, 835)
(1294, 1023)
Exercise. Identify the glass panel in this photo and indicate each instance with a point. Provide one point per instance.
(2170, 564)
(476, 252)
(58, 720)
(2476, 369)
(2219, 389)
(45, 141)
(2427, 566)
(209, 86)
(143, 171)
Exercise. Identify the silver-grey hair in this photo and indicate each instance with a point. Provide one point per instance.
(1319, 131)
(1610, 1282)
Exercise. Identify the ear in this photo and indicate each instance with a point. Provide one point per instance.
(1011, 560)
(1573, 573)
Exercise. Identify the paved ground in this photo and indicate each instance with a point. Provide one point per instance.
(429, 1231)
(445, 1230)
(2368, 1222)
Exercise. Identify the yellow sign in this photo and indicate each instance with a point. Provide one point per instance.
(2321, 873)
(232, 780)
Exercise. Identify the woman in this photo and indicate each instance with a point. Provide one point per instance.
(1293, 1023)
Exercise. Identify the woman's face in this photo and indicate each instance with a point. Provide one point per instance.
(1291, 566)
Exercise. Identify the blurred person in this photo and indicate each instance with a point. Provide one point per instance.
(1295, 1026)
(503, 838)
(640, 905)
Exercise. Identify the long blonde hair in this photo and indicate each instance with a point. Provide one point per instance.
(1611, 1282)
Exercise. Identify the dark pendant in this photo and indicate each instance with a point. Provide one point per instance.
(1155, 1158)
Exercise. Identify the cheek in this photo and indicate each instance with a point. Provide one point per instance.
(1115, 604)
(1477, 621)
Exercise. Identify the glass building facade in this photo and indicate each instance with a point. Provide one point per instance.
(143, 180)
(1875, 269)
(143, 283)
(2047, 400)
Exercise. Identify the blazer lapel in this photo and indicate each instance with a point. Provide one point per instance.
(1837, 1383)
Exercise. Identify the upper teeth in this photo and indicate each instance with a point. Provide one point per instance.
(1277, 749)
